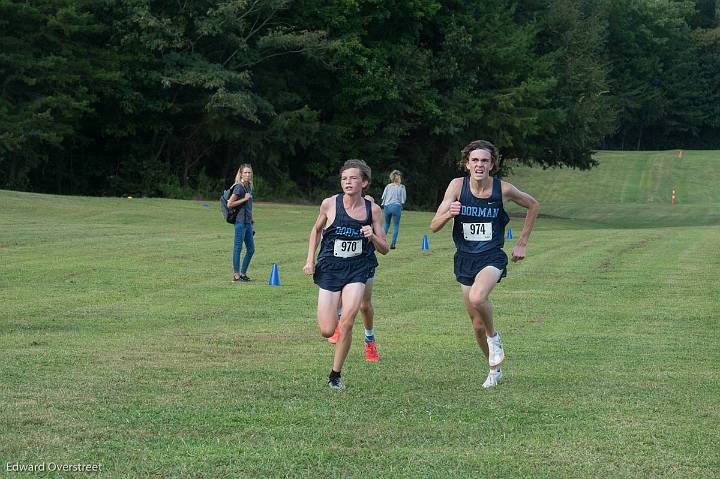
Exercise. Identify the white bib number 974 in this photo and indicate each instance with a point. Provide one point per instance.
(477, 231)
(347, 248)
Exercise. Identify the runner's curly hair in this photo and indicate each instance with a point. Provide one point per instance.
(480, 145)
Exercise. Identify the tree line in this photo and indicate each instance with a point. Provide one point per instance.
(169, 97)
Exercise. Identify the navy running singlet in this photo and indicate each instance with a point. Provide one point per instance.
(343, 241)
(480, 226)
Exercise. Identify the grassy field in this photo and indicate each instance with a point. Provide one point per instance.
(125, 344)
(631, 190)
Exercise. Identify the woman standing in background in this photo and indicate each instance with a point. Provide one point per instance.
(242, 198)
(393, 198)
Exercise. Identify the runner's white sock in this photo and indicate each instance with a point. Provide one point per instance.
(369, 335)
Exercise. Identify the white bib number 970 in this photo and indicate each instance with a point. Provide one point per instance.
(477, 231)
(347, 248)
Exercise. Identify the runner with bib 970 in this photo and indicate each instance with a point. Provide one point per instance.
(345, 228)
(475, 204)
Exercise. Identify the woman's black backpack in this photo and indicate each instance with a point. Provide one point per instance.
(228, 213)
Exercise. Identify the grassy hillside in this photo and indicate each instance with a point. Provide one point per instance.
(125, 344)
(631, 189)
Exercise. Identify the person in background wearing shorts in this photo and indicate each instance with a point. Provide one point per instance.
(345, 228)
(475, 204)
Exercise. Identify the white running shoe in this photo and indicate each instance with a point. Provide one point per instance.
(497, 354)
(493, 378)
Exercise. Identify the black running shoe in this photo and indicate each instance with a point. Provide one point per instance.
(245, 278)
(335, 383)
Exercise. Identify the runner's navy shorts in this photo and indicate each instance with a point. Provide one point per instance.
(334, 276)
(467, 266)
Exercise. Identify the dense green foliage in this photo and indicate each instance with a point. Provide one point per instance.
(167, 98)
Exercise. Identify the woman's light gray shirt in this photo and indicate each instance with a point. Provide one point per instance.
(394, 193)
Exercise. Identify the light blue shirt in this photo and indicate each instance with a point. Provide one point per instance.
(394, 193)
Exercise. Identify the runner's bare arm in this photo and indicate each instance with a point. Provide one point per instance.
(523, 199)
(315, 235)
(376, 233)
(449, 207)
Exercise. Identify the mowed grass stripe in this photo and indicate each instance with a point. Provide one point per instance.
(628, 178)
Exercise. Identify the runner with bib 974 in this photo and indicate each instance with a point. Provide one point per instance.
(475, 204)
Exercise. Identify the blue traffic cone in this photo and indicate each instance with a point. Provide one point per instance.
(509, 233)
(274, 276)
(425, 244)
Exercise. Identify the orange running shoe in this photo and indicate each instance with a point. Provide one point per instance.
(334, 338)
(371, 353)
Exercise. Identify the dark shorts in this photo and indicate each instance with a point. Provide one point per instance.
(371, 274)
(334, 276)
(467, 266)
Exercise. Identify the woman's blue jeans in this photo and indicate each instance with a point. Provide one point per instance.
(243, 234)
(393, 211)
